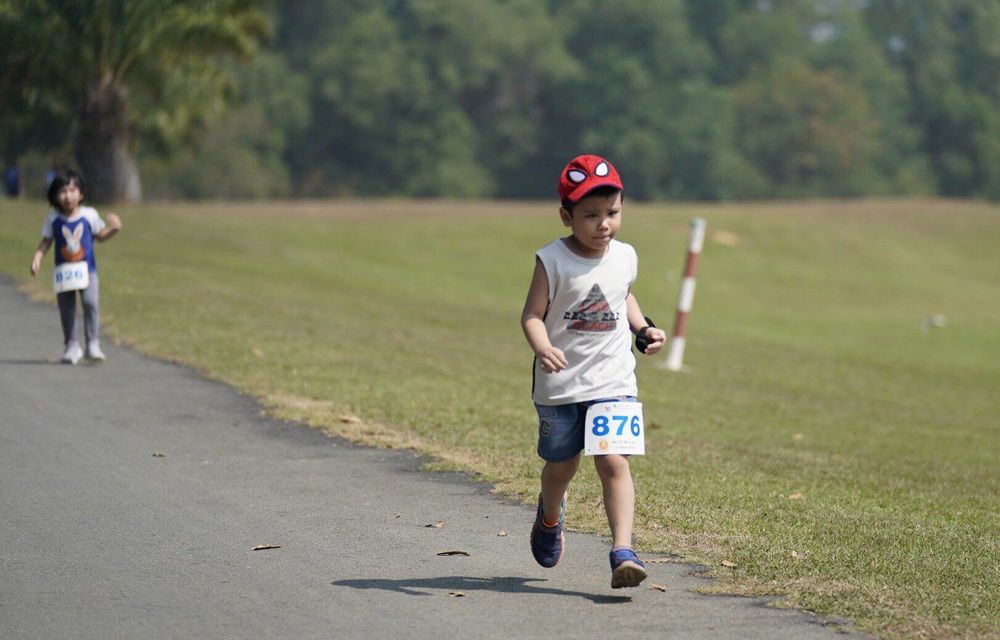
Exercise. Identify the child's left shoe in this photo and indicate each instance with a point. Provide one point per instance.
(626, 569)
(94, 352)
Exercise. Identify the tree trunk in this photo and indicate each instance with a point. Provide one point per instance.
(102, 146)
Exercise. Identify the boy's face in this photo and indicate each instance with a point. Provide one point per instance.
(69, 197)
(594, 222)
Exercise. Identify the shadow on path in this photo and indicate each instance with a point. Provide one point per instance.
(29, 361)
(464, 583)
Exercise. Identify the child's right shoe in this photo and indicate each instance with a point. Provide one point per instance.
(547, 542)
(72, 354)
(626, 569)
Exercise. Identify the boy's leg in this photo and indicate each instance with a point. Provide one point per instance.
(547, 538)
(560, 441)
(556, 477)
(619, 496)
(619, 502)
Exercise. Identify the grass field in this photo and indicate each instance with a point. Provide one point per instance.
(822, 441)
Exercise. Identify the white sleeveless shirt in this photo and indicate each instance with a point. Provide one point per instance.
(587, 320)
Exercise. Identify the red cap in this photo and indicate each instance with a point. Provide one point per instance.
(585, 173)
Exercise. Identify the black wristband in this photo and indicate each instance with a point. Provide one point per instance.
(641, 342)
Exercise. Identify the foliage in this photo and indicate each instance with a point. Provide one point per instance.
(950, 53)
(808, 131)
(643, 100)
(241, 155)
(423, 98)
(695, 100)
(88, 61)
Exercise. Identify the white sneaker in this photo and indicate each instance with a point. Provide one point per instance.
(94, 351)
(73, 353)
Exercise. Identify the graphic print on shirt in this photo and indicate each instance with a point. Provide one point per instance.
(594, 314)
(72, 251)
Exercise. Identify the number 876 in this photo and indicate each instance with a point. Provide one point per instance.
(602, 425)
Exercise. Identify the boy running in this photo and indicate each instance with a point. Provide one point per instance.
(577, 318)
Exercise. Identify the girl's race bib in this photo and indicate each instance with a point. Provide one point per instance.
(614, 427)
(70, 276)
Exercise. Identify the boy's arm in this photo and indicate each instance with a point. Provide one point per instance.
(637, 322)
(549, 357)
(113, 227)
(36, 260)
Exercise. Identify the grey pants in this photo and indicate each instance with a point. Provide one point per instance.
(91, 312)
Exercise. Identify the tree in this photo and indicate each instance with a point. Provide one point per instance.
(240, 154)
(645, 100)
(429, 97)
(809, 132)
(94, 59)
(950, 54)
(820, 109)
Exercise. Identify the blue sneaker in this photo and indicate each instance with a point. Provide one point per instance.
(547, 542)
(626, 569)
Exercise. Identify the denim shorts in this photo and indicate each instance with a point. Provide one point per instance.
(560, 428)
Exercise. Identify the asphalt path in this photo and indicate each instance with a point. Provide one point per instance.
(133, 493)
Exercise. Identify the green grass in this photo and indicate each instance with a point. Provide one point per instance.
(397, 323)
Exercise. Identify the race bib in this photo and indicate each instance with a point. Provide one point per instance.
(614, 427)
(70, 276)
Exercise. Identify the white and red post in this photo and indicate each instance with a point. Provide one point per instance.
(675, 351)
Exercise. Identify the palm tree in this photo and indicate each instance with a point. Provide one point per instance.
(116, 66)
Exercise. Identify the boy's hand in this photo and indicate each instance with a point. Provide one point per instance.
(36, 264)
(551, 359)
(655, 338)
(114, 222)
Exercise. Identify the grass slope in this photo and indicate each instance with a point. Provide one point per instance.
(822, 442)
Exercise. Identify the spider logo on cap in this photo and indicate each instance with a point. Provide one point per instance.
(579, 176)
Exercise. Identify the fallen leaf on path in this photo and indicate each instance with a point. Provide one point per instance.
(157, 454)
(398, 515)
(454, 553)
(349, 419)
(456, 594)
(502, 533)
(263, 547)
(727, 563)
(658, 560)
(436, 525)
(657, 586)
